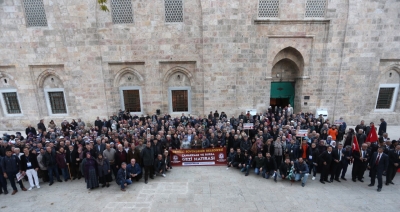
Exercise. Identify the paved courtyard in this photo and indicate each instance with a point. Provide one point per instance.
(209, 189)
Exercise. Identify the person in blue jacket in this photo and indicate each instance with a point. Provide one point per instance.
(134, 170)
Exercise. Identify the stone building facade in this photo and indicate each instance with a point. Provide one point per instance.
(340, 55)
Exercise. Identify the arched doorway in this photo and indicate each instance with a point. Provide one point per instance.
(287, 67)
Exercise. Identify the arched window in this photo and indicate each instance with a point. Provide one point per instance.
(9, 98)
(129, 82)
(54, 95)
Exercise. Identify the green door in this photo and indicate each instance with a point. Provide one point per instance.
(282, 91)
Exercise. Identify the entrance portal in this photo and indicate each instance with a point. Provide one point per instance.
(287, 71)
(282, 94)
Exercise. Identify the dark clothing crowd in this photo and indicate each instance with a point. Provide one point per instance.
(126, 148)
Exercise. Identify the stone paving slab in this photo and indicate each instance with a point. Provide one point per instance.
(207, 189)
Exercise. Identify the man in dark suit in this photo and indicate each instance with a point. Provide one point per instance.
(326, 159)
(360, 163)
(292, 150)
(30, 129)
(382, 127)
(394, 162)
(378, 164)
(336, 160)
(99, 147)
(343, 162)
(98, 123)
(70, 157)
(41, 126)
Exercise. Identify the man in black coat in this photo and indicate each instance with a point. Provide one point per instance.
(30, 129)
(41, 126)
(70, 157)
(285, 168)
(270, 167)
(159, 165)
(239, 159)
(378, 164)
(360, 163)
(147, 156)
(292, 150)
(394, 162)
(98, 123)
(344, 163)
(49, 160)
(382, 127)
(11, 166)
(337, 155)
(325, 159)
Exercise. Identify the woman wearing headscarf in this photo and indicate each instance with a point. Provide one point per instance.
(103, 170)
(89, 169)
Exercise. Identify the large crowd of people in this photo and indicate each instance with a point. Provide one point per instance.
(126, 148)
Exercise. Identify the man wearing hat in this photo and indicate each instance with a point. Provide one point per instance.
(10, 166)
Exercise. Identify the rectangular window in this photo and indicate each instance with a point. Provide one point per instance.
(35, 14)
(121, 11)
(315, 8)
(180, 101)
(57, 102)
(11, 103)
(268, 8)
(173, 11)
(385, 98)
(132, 100)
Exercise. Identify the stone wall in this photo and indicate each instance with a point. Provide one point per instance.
(222, 50)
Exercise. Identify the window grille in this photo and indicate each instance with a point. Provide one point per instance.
(11, 103)
(385, 98)
(34, 13)
(57, 102)
(173, 11)
(132, 100)
(180, 101)
(315, 8)
(268, 8)
(121, 11)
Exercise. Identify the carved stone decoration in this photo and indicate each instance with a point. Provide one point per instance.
(128, 79)
(52, 81)
(178, 79)
(7, 80)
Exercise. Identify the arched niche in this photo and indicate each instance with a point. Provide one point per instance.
(128, 77)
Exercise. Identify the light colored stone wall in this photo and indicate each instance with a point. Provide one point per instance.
(225, 53)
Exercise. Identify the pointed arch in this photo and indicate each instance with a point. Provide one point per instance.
(390, 74)
(7, 80)
(292, 54)
(125, 71)
(44, 75)
(178, 69)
